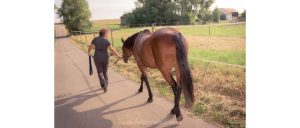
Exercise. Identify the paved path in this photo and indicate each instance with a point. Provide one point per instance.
(80, 103)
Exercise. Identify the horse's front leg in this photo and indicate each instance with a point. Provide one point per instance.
(145, 79)
(150, 99)
(141, 87)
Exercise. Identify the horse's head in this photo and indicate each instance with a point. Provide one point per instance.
(128, 47)
(127, 52)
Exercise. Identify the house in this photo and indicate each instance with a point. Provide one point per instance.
(123, 19)
(229, 14)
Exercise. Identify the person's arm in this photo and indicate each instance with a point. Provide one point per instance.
(113, 50)
(92, 46)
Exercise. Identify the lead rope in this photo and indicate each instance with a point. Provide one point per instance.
(115, 62)
(90, 65)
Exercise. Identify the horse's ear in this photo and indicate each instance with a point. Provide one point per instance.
(122, 40)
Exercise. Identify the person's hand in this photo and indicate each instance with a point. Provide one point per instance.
(119, 57)
(89, 54)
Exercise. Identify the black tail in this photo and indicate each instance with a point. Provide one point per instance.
(185, 73)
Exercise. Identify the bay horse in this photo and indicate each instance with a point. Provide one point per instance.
(164, 49)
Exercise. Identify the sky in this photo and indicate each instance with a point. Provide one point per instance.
(113, 9)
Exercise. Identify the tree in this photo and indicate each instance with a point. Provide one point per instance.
(75, 14)
(149, 11)
(244, 15)
(216, 15)
(204, 14)
(170, 11)
(188, 18)
(55, 7)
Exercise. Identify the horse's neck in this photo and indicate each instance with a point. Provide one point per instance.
(141, 39)
(139, 43)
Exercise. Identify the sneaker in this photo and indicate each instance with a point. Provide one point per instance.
(105, 88)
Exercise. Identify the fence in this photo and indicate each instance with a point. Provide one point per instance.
(172, 24)
(153, 26)
(177, 25)
(79, 34)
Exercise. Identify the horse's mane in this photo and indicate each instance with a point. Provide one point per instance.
(129, 42)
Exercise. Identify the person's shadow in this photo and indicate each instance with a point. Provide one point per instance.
(67, 117)
(61, 37)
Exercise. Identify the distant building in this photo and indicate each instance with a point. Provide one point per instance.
(229, 14)
(123, 19)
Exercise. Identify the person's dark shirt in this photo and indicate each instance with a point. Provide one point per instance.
(101, 45)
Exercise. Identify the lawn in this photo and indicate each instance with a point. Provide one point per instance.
(231, 57)
(232, 30)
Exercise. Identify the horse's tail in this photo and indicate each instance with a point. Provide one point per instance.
(185, 72)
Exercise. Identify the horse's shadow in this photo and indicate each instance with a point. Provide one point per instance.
(67, 117)
(166, 121)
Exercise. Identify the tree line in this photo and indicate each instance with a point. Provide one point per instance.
(171, 11)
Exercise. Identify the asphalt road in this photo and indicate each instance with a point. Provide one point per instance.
(80, 103)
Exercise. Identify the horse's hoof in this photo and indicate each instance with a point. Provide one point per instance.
(179, 118)
(149, 100)
(172, 112)
(105, 90)
(140, 90)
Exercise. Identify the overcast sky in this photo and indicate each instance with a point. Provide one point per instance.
(113, 9)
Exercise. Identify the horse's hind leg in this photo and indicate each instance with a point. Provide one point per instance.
(177, 92)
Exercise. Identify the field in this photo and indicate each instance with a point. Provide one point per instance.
(219, 86)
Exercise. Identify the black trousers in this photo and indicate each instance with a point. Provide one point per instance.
(102, 71)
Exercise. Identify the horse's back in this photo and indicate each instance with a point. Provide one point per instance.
(164, 48)
(164, 31)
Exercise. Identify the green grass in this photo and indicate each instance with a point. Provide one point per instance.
(199, 108)
(112, 24)
(163, 90)
(231, 57)
(233, 30)
(238, 30)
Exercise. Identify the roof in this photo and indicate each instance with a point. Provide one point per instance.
(124, 15)
(228, 10)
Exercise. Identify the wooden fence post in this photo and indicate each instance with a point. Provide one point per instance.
(152, 27)
(76, 35)
(112, 38)
(85, 38)
(209, 29)
(80, 35)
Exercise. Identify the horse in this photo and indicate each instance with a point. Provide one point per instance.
(164, 49)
